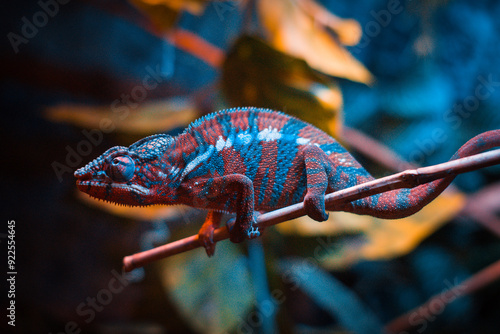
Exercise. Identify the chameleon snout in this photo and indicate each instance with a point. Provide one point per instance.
(82, 173)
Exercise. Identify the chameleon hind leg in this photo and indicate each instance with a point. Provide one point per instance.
(316, 168)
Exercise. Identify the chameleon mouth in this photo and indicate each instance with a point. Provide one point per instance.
(100, 186)
(95, 186)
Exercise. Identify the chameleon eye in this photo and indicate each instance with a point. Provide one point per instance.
(121, 169)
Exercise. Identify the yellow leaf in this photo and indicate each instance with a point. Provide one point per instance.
(348, 31)
(381, 238)
(299, 28)
(147, 118)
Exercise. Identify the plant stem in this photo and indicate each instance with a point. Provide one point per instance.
(414, 317)
(406, 179)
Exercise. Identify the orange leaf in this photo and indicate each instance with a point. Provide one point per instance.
(147, 118)
(380, 238)
(163, 13)
(299, 28)
(196, 46)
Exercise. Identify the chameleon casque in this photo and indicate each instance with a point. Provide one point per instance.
(244, 160)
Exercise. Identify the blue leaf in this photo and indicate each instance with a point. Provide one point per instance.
(331, 295)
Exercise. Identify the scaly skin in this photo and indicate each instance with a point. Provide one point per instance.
(244, 160)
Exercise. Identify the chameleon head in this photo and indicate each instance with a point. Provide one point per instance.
(134, 175)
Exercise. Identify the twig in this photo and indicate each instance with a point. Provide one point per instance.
(406, 179)
(480, 207)
(418, 315)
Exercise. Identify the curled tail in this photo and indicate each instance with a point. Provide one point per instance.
(401, 203)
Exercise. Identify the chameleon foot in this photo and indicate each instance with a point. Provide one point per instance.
(206, 239)
(315, 207)
(237, 234)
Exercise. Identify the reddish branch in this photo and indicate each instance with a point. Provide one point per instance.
(406, 179)
(435, 305)
(481, 206)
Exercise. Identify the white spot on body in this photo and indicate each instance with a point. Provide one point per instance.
(245, 138)
(302, 141)
(229, 142)
(175, 170)
(221, 143)
(269, 134)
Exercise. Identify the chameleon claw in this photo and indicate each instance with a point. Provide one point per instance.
(253, 232)
(209, 246)
(237, 235)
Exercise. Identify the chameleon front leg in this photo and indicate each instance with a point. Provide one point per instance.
(232, 193)
(206, 233)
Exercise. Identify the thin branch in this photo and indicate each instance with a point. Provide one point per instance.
(418, 315)
(378, 152)
(480, 207)
(406, 179)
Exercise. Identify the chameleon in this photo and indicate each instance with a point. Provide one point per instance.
(249, 160)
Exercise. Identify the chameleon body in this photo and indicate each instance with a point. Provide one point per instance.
(244, 160)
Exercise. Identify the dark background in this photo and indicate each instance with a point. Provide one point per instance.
(427, 60)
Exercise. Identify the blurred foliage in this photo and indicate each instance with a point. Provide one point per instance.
(164, 13)
(302, 28)
(377, 239)
(145, 119)
(331, 295)
(213, 295)
(406, 73)
(255, 74)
